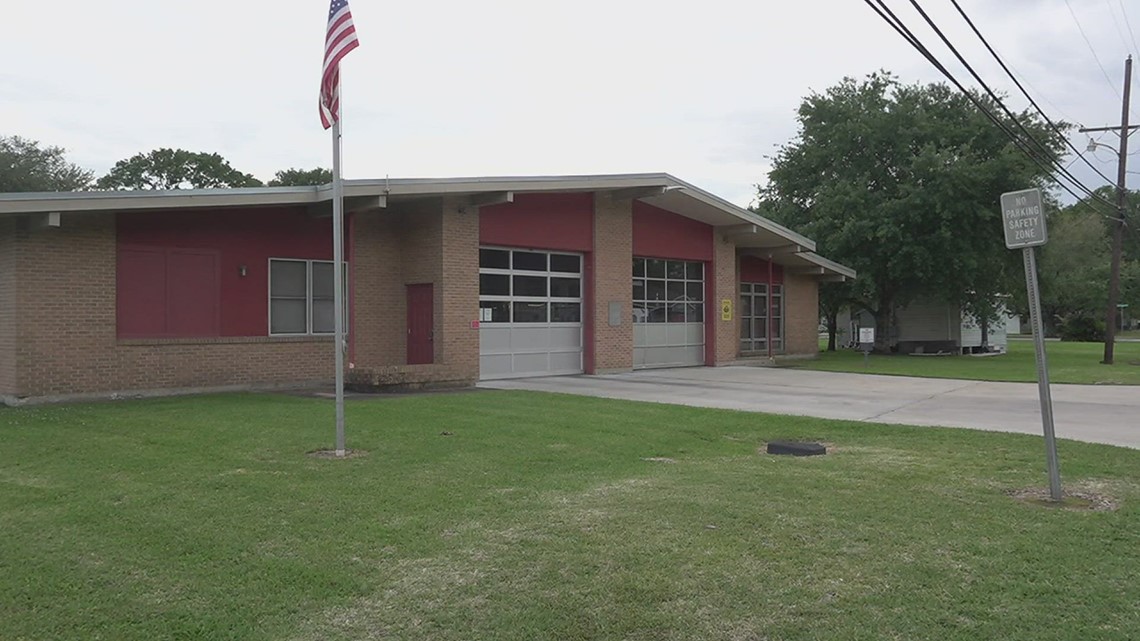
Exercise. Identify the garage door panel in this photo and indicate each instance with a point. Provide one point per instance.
(531, 317)
(566, 362)
(668, 331)
(494, 340)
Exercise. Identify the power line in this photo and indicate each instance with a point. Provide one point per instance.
(1116, 23)
(1128, 23)
(1092, 50)
(1009, 114)
(893, 20)
(1023, 91)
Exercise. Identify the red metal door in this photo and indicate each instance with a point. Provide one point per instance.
(421, 332)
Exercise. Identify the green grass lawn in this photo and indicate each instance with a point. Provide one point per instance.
(540, 517)
(1068, 363)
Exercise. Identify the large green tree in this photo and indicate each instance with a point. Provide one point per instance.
(902, 182)
(175, 169)
(301, 177)
(27, 166)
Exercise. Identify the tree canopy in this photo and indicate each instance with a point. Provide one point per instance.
(902, 183)
(27, 166)
(175, 169)
(301, 177)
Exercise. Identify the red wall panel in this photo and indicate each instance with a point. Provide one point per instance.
(755, 270)
(662, 234)
(540, 221)
(140, 281)
(240, 237)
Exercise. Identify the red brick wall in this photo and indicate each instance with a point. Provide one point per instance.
(801, 299)
(613, 282)
(8, 248)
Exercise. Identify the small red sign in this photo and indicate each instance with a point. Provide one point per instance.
(474, 324)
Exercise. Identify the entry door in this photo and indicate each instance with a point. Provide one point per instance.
(421, 321)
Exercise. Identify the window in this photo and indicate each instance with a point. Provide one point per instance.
(517, 286)
(668, 291)
(754, 312)
(302, 297)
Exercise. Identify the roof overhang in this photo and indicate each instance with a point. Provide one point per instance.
(746, 229)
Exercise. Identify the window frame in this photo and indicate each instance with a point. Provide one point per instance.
(759, 291)
(549, 300)
(645, 303)
(309, 298)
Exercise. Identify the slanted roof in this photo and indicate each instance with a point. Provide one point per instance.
(747, 229)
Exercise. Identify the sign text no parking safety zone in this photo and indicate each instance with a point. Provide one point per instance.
(1023, 219)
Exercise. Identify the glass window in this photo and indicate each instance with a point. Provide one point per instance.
(301, 297)
(655, 312)
(655, 290)
(675, 290)
(655, 268)
(565, 312)
(530, 312)
(566, 287)
(675, 270)
(638, 289)
(494, 285)
(695, 291)
(754, 317)
(530, 286)
(695, 271)
(639, 267)
(640, 313)
(529, 261)
(288, 279)
(694, 313)
(287, 316)
(494, 259)
(496, 311)
(565, 263)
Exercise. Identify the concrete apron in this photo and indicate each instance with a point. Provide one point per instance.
(1093, 413)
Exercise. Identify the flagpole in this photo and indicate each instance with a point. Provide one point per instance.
(338, 285)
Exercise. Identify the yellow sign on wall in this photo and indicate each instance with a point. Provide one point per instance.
(726, 309)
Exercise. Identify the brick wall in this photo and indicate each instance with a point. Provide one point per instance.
(725, 284)
(432, 241)
(613, 282)
(67, 339)
(801, 299)
(8, 263)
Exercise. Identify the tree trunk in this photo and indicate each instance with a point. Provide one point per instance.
(883, 324)
(832, 329)
(985, 334)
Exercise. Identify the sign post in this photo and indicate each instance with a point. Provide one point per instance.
(866, 343)
(1023, 219)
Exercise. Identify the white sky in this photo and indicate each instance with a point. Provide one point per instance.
(703, 90)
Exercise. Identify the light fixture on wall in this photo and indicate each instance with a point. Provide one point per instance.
(242, 271)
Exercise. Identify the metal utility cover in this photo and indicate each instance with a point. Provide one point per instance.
(1023, 219)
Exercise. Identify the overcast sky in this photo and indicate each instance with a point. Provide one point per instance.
(703, 90)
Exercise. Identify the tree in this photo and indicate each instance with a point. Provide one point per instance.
(902, 183)
(26, 166)
(301, 177)
(175, 169)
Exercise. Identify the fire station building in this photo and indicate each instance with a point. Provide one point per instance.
(449, 282)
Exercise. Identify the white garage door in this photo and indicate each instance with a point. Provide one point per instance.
(668, 313)
(530, 312)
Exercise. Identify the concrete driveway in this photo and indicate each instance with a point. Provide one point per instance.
(1097, 414)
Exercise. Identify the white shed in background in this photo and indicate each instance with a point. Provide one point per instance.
(930, 328)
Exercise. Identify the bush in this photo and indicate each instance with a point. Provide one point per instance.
(1082, 328)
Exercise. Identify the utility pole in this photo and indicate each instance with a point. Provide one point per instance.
(1118, 228)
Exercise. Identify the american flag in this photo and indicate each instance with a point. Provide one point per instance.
(340, 38)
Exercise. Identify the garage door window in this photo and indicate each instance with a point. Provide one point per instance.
(668, 291)
(754, 310)
(517, 286)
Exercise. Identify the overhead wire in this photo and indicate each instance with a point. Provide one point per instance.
(1092, 50)
(1017, 82)
(1128, 23)
(1048, 154)
(1116, 23)
(880, 7)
